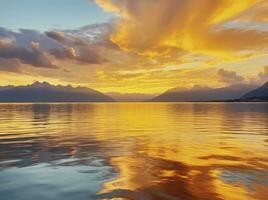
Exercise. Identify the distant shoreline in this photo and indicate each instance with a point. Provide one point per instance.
(118, 102)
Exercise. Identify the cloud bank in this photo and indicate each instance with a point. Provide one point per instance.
(33, 56)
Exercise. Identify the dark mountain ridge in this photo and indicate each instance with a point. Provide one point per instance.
(198, 93)
(45, 92)
(260, 93)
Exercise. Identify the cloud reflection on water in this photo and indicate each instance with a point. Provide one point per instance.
(134, 151)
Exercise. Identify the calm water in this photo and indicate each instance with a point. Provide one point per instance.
(143, 151)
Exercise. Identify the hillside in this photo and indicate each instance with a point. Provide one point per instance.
(204, 94)
(260, 93)
(45, 92)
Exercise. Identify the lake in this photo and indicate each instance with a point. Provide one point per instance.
(136, 151)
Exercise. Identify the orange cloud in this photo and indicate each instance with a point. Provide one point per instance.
(258, 13)
(160, 26)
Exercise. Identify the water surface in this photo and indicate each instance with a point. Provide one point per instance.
(134, 151)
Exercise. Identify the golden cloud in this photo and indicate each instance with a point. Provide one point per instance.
(157, 27)
(258, 13)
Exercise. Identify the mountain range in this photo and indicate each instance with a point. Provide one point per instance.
(45, 92)
(197, 93)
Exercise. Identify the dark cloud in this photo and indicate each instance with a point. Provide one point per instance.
(55, 45)
(229, 77)
(64, 53)
(33, 56)
(24, 37)
(58, 36)
(75, 48)
(83, 54)
(65, 39)
(10, 65)
(90, 55)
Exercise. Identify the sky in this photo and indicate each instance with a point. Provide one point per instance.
(127, 46)
(49, 14)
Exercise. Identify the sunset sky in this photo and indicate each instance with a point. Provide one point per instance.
(134, 46)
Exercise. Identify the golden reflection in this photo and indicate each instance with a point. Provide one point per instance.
(160, 151)
(181, 153)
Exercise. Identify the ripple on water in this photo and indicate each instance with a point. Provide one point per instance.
(61, 179)
(186, 151)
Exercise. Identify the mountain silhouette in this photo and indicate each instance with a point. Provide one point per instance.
(45, 92)
(260, 93)
(198, 93)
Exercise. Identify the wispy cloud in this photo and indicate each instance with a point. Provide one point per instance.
(157, 27)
